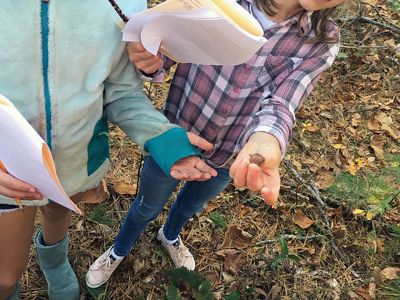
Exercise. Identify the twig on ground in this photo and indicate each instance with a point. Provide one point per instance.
(322, 206)
(292, 237)
(392, 27)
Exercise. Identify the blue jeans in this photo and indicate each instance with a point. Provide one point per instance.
(154, 191)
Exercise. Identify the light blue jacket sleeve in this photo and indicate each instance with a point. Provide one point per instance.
(127, 106)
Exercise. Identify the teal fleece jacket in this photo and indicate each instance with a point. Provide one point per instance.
(64, 67)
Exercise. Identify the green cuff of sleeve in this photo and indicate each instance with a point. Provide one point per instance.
(169, 147)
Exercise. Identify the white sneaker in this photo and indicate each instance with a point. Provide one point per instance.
(101, 270)
(178, 252)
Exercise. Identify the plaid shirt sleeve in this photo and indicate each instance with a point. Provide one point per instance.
(277, 114)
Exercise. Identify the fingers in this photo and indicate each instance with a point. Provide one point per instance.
(206, 169)
(191, 169)
(15, 188)
(199, 142)
(189, 174)
(270, 195)
(142, 59)
(240, 175)
(254, 180)
(178, 175)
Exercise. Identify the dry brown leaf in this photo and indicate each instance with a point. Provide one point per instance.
(300, 219)
(324, 179)
(234, 262)
(124, 188)
(96, 195)
(377, 143)
(236, 238)
(373, 124)
(243, 210)
(363, 292)
(389, 273)
(375, 76)
(356, 119)
(392, 131)
(210, 207)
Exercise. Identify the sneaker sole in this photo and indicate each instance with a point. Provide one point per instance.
(95, 286)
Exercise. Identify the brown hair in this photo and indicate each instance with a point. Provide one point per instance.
(319, 19)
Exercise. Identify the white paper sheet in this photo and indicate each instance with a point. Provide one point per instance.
(197, 36)
(22, 153)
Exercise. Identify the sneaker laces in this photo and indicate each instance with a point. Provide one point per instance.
(106, 263)
(182, 249)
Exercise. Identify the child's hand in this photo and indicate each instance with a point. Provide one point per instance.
(193, 168)
(142, 59)
(264, 178)
(15, 188)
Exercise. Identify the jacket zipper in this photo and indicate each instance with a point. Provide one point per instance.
(44, 16)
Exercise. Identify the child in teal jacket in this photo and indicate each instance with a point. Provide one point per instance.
(66, 70)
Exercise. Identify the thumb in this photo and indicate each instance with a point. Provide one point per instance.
(199, 142)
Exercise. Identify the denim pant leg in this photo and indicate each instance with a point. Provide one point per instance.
(191, 199)
(154, 190)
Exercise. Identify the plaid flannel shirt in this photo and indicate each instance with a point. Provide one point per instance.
(226, 104)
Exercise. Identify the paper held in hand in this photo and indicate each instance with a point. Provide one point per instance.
(27, 157)
(210, 32)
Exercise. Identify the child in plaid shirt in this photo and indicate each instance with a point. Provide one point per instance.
(243, 110)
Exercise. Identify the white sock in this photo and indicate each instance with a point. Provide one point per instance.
(116, 256)
(169, 242)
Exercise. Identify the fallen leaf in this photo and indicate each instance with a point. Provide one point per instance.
(358, 212)
(380, 244)
(236, 238)
(338, 146)
(324, 179)
(389, 273)
(234, 262)
(96, 195)
(300, 219)
(352, 168)
(373, 124)
(355, 119)
(377, 144)
(243, 210)
(363, 293)
(370, 215)
(210, 207)
(124, 188)
(374, 76)
(392, 131)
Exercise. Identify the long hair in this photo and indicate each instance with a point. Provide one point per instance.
(319, 19)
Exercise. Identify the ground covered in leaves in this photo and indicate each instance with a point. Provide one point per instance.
(335, 233)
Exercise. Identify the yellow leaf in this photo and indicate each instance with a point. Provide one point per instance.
(370, 215)
(338, 146)
(352, 168)
(361, 162)
(358, 212)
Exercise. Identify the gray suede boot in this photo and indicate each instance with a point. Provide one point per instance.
(15, 293)
(53, 260)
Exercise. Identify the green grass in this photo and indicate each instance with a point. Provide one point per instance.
(391, 290)
(373, 191)
(219, 220)
(102, 214)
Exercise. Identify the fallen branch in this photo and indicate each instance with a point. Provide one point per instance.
(322, 206)
(392, 27)
(292, 237)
